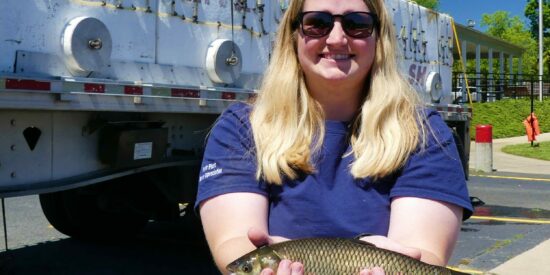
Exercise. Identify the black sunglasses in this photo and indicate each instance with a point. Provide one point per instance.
(355, 24)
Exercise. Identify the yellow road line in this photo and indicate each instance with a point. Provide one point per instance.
(512, 178)
(470, 271)
(510, 220)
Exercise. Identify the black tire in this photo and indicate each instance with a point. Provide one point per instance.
(54, 210)
(92, 212)
(461, 153)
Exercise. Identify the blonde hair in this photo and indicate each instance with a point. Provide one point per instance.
(288, 124)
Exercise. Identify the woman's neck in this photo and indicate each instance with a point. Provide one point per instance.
(339, 102)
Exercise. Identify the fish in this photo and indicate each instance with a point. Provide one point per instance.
(332, 256)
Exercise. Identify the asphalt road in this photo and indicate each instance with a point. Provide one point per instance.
(178, 248)
(514, 219)
(35, 247)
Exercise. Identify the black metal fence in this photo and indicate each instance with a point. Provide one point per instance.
(490, 87)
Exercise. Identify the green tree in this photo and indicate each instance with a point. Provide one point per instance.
(512, 29)
(430, 4)
(532, 13)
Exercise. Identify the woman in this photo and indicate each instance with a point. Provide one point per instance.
(336, 144)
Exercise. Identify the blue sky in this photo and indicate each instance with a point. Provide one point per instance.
(462, 10)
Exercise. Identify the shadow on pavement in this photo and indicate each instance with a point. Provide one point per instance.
(162, 248)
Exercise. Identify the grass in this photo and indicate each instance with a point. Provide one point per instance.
(500, 244)
(507, 115)
(539, 151)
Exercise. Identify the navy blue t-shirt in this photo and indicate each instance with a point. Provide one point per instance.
(330, 202)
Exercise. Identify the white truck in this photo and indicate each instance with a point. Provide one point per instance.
(105, 104)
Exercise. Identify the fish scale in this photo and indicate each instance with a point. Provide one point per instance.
(333, 256)
(345, 255)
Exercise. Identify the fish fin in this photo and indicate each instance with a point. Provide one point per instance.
(362, 242)
(365, 234)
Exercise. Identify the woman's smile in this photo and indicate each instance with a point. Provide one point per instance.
(337, 56)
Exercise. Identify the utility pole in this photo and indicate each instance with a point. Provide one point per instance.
(541, 41)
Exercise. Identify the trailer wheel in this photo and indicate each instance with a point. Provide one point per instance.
(54, 210)
(105, 212)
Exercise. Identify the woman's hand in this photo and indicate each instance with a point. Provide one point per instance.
(374, 271)
(386, 243)
(286, 267)
(261, 238)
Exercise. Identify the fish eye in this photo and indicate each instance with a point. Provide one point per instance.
(247, 268)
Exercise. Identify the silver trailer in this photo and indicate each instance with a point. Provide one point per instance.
(105, 105)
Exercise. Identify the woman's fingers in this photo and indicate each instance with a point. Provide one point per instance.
(374, 271)
(296, 268)
(286, 267)
(411, 252)
(258, 237)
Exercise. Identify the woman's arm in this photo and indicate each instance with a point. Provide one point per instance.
(428, 225)
(420, 228)
(226, 220)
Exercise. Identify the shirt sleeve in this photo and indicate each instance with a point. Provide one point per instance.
(435, 172)
(229, 162)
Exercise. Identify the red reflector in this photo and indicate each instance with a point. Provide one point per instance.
(133, 90)
(185, 93)
(25, 84)
(228, 95)
(439, 109)
(94, 88)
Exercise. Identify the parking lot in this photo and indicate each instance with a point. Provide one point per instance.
(514, 219)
